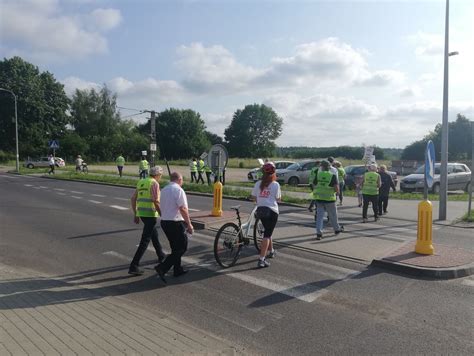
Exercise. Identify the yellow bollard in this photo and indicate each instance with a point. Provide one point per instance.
(217, 207)
(424, 242)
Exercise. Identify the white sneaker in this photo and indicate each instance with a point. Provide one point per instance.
(263, 263)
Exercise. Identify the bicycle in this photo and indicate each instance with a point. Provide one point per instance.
(230, 238)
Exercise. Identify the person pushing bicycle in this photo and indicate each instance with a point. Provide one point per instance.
(267, 194)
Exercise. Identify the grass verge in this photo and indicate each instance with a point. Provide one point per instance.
(468, 217)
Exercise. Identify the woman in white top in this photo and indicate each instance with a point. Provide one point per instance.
(267, 194)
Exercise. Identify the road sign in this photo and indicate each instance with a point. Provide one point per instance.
(153, 147)
(54, 144)
(368, 152)
(217, 158)
(429, 163)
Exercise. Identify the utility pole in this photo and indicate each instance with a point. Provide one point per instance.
(153, 137)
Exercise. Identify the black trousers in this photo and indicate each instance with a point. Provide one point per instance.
(51, 169)
(208, 177)
(120, 168)
(193, 177)
(200, 178)
(269, 222)
(383, 203)
(149, 233)
(175, 231)
(374, 199)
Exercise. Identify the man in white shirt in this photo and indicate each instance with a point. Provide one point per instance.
(175, 223)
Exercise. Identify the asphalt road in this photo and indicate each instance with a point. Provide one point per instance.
(305, 303)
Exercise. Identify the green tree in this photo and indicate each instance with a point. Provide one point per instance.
(42, 106)
(252, 132)
(180, 133)
(459, 142)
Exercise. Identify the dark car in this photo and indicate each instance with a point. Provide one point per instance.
(359, 170)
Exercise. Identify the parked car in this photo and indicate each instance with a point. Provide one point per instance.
(359, 170)
(459, 178)
(43, 162)
(297, 173)
(252, 175)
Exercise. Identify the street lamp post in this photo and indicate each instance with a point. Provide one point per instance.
(16, 130)
(443, 186)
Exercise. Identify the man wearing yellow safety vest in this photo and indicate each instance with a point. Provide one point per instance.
(325, 195)
(370, 192)
(120, 161)
(193, 169)
(146, 207)
(143, 168)
(208, 172)
(200, 169)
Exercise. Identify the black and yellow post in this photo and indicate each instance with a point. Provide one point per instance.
(424, 242)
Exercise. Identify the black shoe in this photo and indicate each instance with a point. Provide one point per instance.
(319, 236)
(337, 232)
(162, 258)
(135, 271)
(180, 273)
(161, 274)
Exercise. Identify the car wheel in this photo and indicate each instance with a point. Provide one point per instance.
(435, 188)
(293, 181)
(467, 187)
(30, 166)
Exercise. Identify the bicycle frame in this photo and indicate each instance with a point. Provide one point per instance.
(245, 228)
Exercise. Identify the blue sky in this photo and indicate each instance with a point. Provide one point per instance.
(337, 72)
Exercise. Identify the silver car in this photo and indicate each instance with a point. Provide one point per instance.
(252, 175)
(297, 173)
(459, 178)
(43, 162)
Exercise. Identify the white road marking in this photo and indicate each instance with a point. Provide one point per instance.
(27, 185)
(36, 187)
(95, 201)
(73, 191)
(43, 187)
(118, 207)
(116, 254)
(124, 199)
(75, 197)
(60, 193)
(59, 189)
(468, 282)
(193, 209)
(98, 195)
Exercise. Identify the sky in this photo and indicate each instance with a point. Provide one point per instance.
(337, 72)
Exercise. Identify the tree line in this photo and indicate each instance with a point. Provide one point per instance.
(90, 124)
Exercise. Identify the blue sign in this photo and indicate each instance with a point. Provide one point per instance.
(429, 163)
(53, 144)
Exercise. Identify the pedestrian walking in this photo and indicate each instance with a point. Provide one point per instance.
(120, 162)
(267, 194)
(193, 170)
(341, 173)
(208, 172)
(325, 195)
(143, 167)
(370, 192)
(146, 207)
(333, 169)
(200, 170)
(311, 179)
(51, 163)
(384, 191)
(176, 225)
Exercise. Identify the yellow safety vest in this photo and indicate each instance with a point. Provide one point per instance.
(145, 206)
(200, 167)
(323, 190)
(193, 166)
(370, 183)
(143, 165)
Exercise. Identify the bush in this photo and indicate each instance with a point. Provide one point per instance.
(6, 156)
(241, 164)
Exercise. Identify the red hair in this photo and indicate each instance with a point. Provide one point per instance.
(266, 180)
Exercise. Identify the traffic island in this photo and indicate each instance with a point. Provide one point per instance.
(202, 220)
(446, 262)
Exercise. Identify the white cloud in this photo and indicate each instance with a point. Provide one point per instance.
(408, 92)
(39, 30)
(427, 44)
(73, 83)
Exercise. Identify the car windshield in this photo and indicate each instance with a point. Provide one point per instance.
(293, 167)
(421, 169)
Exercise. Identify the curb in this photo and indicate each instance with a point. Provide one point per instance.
(439, 273)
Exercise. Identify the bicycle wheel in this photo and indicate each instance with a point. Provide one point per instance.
(258, 230)
(227, 245)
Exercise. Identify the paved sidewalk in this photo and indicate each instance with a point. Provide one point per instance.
(43, 315)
